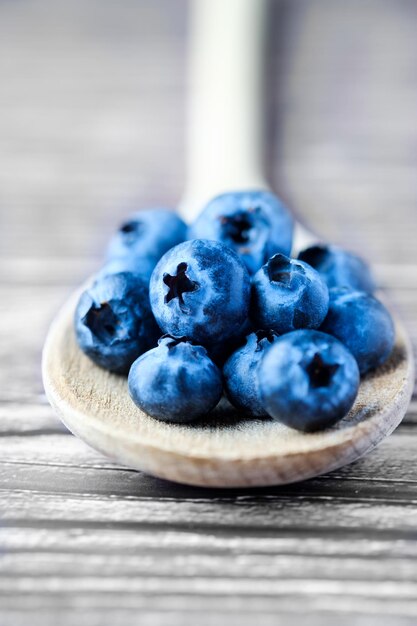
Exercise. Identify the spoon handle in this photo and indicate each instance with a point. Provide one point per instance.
(225, 114)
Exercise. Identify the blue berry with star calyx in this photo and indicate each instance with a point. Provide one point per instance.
(241, 369)
(114, 323)
(255, 224)
(287, 295)
(142, 266)
(144, 237)
(339, 268)
(308, 380)
(175, 382)
(362, 324)
(200, 290)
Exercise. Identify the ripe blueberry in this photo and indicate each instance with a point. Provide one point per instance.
(240, 372)
(200, 290)
(114, 322)
(145, 236)
(287, 295)
(362, 324)
(254, 223)
(143, 266)
(176, 381)
(308, 380)
(339, 268)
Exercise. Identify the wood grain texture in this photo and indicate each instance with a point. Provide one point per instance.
(84, 541)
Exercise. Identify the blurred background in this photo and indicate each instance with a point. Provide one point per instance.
(93, 119)
(92, 125)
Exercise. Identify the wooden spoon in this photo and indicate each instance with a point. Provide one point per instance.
(225, 153)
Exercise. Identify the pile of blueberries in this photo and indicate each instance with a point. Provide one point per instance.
(285, 338)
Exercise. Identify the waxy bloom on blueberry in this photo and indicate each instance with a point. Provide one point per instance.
(339, 268)
(254, 223)
(144, 237)
(241, 370)
(114, 322)
(308, 380)
(200, 290)
(175, 381)
(362, 324)
(142, 266)
(287, 295)
(221, 351)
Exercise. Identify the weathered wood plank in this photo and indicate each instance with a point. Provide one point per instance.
(183, 568)
(29, 419)
(115, 539)
(291, 510)
(117, 610)
(36, 458)
(289, 590)
(92, 125)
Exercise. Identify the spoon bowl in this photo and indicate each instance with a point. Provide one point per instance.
(231, 450)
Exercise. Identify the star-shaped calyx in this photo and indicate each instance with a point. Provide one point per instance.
(319, 372)
(130, 231)
(179, 284)
(280, 269)
(237, 226)
(263, 337)
(102, 322)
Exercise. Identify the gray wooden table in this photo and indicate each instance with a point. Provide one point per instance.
(92, 123)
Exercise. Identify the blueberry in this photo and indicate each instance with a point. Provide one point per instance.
(308, 380)
(146, 236)
(240, 373)
(287, 295)
(221, 351)
(339, 268)
(136, 265)
(254, 223)
(114, 322)
(200, 290)
(362, 324)
(175, 381)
